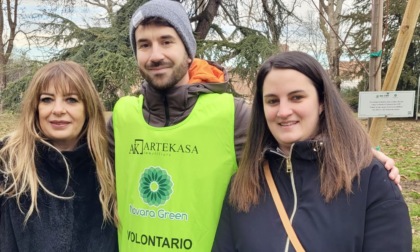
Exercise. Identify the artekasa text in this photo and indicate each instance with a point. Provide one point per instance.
(141, 146)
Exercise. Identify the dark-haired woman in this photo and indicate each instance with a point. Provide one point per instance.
(336, 196)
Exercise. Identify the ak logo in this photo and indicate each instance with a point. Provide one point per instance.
(155, 186)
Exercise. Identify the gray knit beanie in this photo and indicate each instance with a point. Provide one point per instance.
(171, 11)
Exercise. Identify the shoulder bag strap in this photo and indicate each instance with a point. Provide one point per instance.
(280, 208)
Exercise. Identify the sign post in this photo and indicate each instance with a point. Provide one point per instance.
(386, 104)
(405, 35)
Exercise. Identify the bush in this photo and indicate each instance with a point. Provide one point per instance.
(351, 96)
(12, 95)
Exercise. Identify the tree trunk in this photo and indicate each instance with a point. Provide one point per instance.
(205, 19)
(405, 35)
(2, 80)
(6, 40)
(330, 12)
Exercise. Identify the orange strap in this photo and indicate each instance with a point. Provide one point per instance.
(280, 208)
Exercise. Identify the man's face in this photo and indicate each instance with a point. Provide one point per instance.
(161, 56)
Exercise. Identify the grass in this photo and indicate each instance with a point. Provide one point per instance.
(7, 123)
(400, 140)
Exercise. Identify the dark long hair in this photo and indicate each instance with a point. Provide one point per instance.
(347, 146)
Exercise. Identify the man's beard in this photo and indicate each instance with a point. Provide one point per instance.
(164, 82)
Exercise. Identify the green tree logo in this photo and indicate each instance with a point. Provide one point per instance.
(155, 186)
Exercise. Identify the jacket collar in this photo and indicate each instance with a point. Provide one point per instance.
(48, 155)
(305, 150)
(182, 98)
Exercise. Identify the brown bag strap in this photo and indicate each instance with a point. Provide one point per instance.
(280, 208)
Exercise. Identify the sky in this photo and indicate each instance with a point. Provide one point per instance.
(28, 7)
(81, 14)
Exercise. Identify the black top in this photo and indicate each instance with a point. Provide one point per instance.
(61, 224)
(373, 218)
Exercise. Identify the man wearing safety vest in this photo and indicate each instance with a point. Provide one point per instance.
(178, 143)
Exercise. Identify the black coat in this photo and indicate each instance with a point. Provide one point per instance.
(373, 218)
(62, 224)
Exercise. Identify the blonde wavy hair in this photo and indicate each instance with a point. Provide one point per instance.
(17, 157)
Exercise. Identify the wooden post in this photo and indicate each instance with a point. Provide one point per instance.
(418, 95)
(375, 48)
(399, 54)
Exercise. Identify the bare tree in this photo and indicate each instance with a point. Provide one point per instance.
(310, 38)
(204, 15)
(329, 22)
(240, 33)
(110, 6)
(8, 30)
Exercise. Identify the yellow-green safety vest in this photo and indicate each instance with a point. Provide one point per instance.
(171, 181)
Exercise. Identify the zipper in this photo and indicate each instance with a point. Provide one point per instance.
(292, 216)
(289, 170)
(288, 165)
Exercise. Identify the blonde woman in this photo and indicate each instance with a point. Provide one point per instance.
(57, 186)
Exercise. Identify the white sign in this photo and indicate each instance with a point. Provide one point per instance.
(386, 104)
